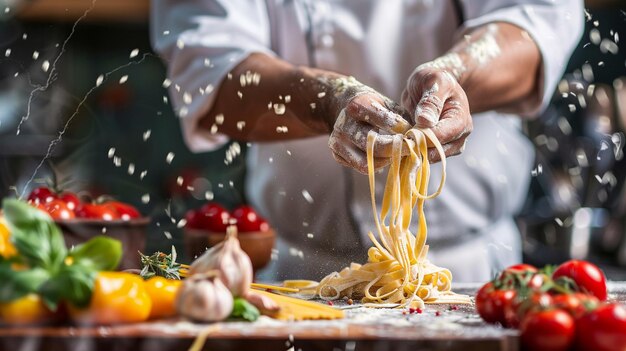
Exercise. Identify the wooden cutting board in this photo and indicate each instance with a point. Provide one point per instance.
(439, 327)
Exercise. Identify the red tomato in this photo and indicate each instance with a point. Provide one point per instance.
(536, 281)
(587, 276)
(603, 329)
(490, 303)
(214, 217)
(71, 200)
(575, 304)
(194, 219)
(124, 210)
(57, 209)
(547, 330)
(41, 195)
(247, 219)
(522, 267)
(93, 211)
(519, 275)
(518, 308)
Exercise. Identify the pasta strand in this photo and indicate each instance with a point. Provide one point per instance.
(397, 272)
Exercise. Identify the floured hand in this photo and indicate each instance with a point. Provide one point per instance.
(360, 111)
(438, 102)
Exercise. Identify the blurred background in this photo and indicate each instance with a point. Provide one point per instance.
(80, 75)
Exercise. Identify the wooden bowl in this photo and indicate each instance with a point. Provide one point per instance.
(258, 245)
(131, 233)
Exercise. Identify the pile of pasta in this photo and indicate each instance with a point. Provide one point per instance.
(397, 272)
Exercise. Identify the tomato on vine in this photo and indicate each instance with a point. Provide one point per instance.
(603, 329)
(491, 302)
(57, 209)
(547, 330)
(71, 200)
(125, 211)
(94, 211)
(41, 195)
(587, 276)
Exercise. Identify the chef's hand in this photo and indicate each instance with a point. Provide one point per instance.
(363, 111)
(437, 101)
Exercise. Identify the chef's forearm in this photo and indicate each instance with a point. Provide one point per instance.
(498, 66)
(274, 100)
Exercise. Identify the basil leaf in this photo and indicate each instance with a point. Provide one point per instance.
(35, 235)
(99, 253)
(58, 250)
(21, 214)
(72, 283)
(16, 284)
(242, 309)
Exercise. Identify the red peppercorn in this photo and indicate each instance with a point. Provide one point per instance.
(330, 303)
(437, 313)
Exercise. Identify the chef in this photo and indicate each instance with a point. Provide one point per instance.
(305, 81)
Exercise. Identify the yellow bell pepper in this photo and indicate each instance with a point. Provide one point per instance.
(7, 250)
(117, 298)
(26, 310)
(162, 292)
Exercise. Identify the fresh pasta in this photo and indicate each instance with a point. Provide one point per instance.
(397, 272)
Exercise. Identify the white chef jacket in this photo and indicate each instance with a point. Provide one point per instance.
(320, 209)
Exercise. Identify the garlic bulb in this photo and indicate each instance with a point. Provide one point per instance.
(233, 265)
(204, 298)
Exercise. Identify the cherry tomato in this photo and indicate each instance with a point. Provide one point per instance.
(576, 304)
(214, 217)
(41, 195)
(603, 329)
(57, 209)
(247, 219)
(519, 307)
(117, 298)
(162, 292)
(194, 219)
(547, 330)
(536, 281)
(490, 303)
(26, 310)
(522, 267)
(125, 211)
(516, 276)
(71, 200)
(92, 211)
(587, 276)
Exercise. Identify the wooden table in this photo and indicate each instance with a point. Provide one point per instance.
(440, 327)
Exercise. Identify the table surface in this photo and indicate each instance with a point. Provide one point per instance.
(438, 327)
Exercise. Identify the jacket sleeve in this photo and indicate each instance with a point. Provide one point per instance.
(200, 42)
(555, 26)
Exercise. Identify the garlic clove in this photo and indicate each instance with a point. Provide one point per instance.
(204, 298)
(232, 263)
(264, 304)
